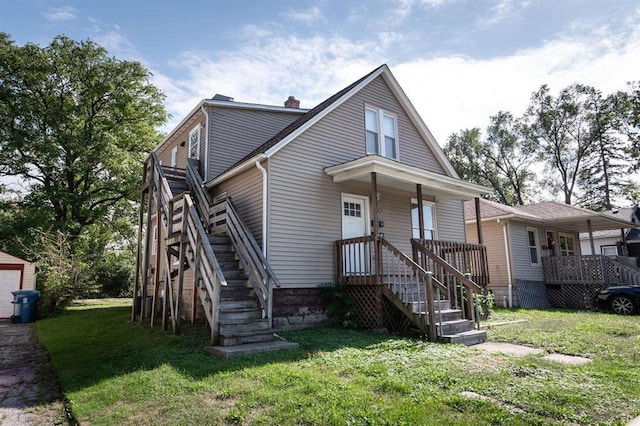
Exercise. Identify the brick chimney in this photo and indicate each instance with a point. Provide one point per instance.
(292, 102)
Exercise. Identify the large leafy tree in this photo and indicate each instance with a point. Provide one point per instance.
(75, 124)
(502, 160)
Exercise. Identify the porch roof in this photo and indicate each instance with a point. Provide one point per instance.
(549, 213)
(397, 175)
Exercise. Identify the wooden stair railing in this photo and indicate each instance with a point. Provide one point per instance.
(180, 215)
(373, 260)
(617, 272)
(460, 287)
(251, 258)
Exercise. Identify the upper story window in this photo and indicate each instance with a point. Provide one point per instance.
(382, 133)
(534, 252)
(194, 143)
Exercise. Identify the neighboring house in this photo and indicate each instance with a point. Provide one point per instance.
(616, 242)
(302, 199)
(533, 245)
(15, 274)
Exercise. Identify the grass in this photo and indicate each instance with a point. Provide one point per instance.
(118, 372)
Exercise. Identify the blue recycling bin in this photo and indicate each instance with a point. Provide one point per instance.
(25, 303)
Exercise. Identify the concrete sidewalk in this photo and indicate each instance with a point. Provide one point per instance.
(30, 393)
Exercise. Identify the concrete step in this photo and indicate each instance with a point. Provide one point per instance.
(240, 314)
(243, 338)
(233, 304)
(226, 257)
(253, 326)
(235, 275)
(229, 265)
(469, 338)
(420, 303)
(444, 315)
(251, 348)
(454, 327)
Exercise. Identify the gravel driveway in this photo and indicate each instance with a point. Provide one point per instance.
(30, 393)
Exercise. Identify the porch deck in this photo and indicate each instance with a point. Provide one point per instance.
(590, 270)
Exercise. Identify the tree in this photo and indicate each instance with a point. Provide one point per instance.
(503, 161)
(75, 125)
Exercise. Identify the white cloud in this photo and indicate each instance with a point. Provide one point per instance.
(453, 93)
(504, 10)
(309, 16)
(59, 14)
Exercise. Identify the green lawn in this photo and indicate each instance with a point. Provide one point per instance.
(117, 372)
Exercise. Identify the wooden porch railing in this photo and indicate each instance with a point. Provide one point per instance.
(373, 260)
(588, 270)
(460, 287)
(466, 257)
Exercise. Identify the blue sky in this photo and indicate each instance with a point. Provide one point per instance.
(459, 61)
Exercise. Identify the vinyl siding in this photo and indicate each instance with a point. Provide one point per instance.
(182, 135)
(305, 216)
(245, 191)
(493, 239)
(236, 132)
(522, 267)
(449, 214)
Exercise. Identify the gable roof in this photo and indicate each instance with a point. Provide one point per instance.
(286, 135)
(550, 213)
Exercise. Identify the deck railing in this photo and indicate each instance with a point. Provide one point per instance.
(461, 288)
(465, 257)
(588, 270)
(373, 260)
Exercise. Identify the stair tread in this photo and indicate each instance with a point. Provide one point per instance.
(229, 334)
(250, 348)
(466, 333)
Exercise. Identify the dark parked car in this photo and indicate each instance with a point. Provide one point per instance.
(623, 300)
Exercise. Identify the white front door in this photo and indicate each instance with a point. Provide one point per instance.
(355, 223)
(9, 281)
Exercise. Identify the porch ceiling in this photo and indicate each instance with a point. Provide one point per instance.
(599, 222)
(396, 175)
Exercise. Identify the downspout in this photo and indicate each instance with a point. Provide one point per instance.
(508, 259)
(264, 207)
(206, 143)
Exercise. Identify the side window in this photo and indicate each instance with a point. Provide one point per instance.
(534, 252)
(174, 156)
(194, 143)
(382, 133)
(154, 241)
(566, 245)
(428, 213)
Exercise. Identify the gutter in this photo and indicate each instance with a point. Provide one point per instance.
(206, 141)
(235, 171)
(264, 207)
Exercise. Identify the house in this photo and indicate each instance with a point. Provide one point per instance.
(249, 211)
(15, 274)
(623, 242)
(534, 254)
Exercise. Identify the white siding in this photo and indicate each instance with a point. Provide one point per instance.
(522, 267)
(449, 219)
(235, 132)
(305, 216)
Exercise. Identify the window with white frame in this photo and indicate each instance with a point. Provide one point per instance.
(566, 245)
(382, 133)
(609, 250)
(154, 241)
(534, 251)
(174, 156)
(194, 143)
(428, 214)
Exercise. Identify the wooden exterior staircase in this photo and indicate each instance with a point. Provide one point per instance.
(435, 296)
(231, 278)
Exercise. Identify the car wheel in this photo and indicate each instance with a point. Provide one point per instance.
(622, 305)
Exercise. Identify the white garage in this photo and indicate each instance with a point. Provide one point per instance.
(15, 274)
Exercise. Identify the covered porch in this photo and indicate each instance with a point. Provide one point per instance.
(432, 272)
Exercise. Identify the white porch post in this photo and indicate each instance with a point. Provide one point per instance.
(593, 247)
